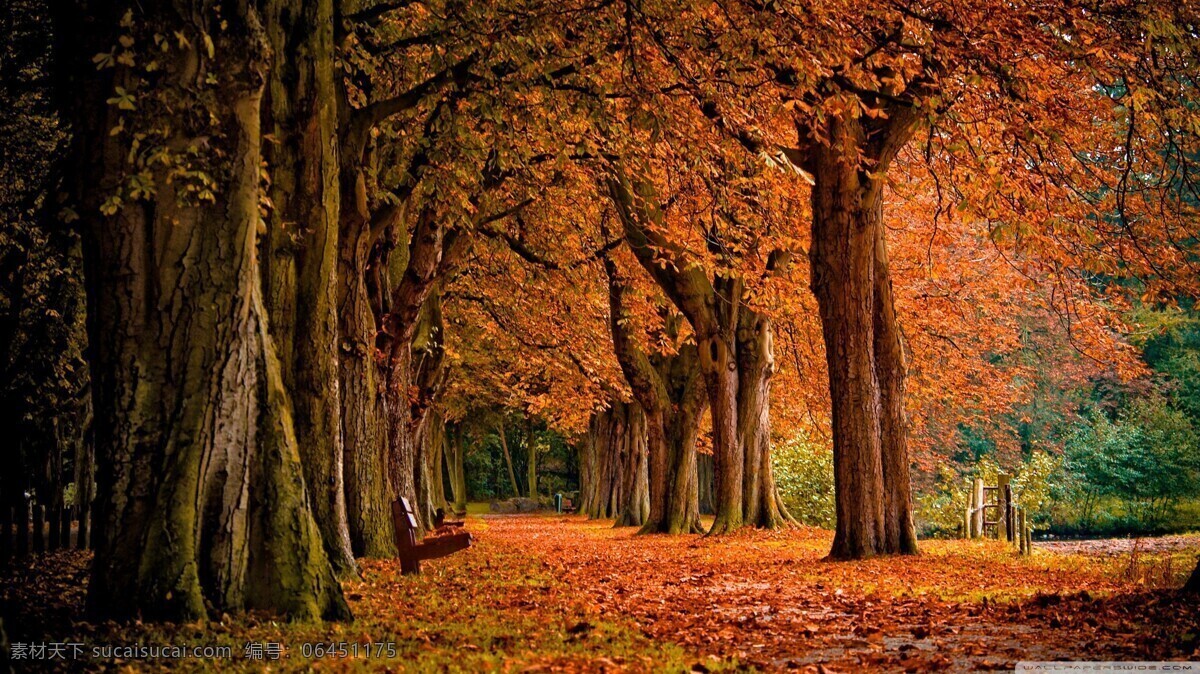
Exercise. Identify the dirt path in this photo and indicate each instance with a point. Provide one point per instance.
(1107, 547)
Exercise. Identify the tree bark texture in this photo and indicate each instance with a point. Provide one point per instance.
(615, 480)
(899, 530)
(633, 508)
(762, 506)
(363, 419)
(704, 480)
(201, 499)
(862, 339)
(300, 250)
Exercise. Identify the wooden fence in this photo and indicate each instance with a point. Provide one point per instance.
(994, 513)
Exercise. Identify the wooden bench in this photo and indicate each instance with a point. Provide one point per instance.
(410, 551)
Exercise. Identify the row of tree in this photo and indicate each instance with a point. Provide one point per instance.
(277, 198)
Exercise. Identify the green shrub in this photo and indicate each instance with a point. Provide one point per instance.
(804, 476)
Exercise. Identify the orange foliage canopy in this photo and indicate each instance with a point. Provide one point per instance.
(1050, 162)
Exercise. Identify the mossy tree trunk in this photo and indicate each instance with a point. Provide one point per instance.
(201, 502)
(300, 249)
(364, 432)
(428, 382)
(437, 455)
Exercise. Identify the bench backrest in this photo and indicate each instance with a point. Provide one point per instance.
(406, 524)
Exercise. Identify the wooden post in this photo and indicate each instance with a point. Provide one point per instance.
(967, 522)
(1027, 533)
(1004, 522)
(1021, 531)
(1010, 514)
(977, 508)
(81, 538)
(6, 533)
(22, 517)
(39, 529)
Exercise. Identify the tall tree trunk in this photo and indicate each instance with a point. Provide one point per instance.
(634, 508)
(615, 477)
(428, 377)
(531, 460)
(437, 437)
(704, 482)
(85, 475)
(364, 433)
(512, 475)
(712, 308)
(899, 530)
(717, 362)
(761, 504)
(682, 514)
(201, 499)
(458, 476)
(669, 391)
(850, 278)
(843, 274)
(586, 453)
(301, 250)
(432, 250)
(402, 451)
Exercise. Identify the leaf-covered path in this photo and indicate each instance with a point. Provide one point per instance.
(541, 593)
(769, 600)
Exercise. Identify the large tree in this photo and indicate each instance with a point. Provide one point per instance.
(202, 504)
(669, 389)
(735, 353)
(299, 251)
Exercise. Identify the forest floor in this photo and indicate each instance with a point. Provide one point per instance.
(561, 593)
